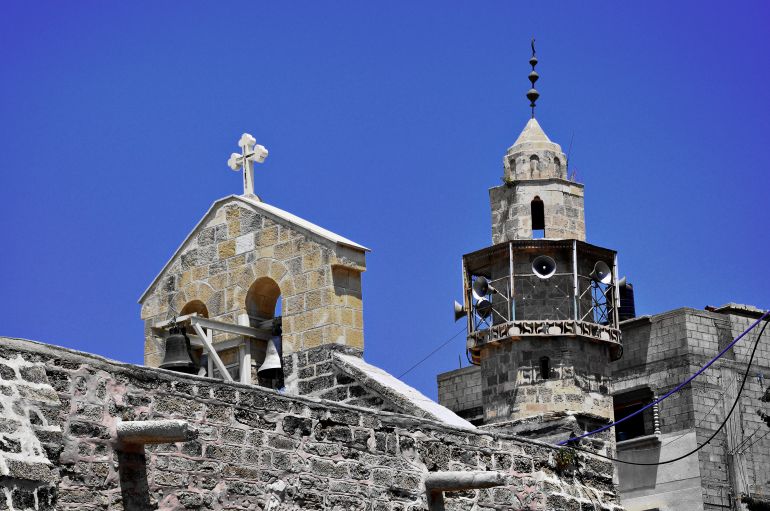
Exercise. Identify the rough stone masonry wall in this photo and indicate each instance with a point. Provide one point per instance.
(513, 387)
(29, 435)
(258, 449)
(236, 244)
(317, 375)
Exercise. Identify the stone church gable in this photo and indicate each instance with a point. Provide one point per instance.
(239, 241)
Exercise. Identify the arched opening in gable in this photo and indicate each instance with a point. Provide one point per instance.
(263, 304)
(263, 301)
(195, 306)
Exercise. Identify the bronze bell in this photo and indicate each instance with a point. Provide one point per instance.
(178, 355)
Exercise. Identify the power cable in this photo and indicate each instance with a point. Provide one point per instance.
(431, 353)
(744, 441)
(675, 389)
(705, 416)
(704, 444)
(755, 441)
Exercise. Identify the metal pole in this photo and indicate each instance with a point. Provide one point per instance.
(575, 280)
(213, 355)
(245, 352)
(512, 304)
(616, 298)
(467, 303)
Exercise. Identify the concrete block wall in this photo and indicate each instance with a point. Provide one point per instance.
(460, 391)
(258, 449)
(665, 349)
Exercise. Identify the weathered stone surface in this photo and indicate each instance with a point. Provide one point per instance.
(263, 451)
(536, 167)
(239, 242)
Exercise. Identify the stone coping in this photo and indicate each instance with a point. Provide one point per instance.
(456, 372)
(539, 182)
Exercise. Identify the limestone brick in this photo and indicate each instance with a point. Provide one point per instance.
(354, 338)
(226, 249)
(244, 243)
(312, 338)
(316, 298)
(268, 236)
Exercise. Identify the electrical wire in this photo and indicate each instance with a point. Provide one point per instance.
(705, 416)
(431, 353)
(744, 441)
(704, 444)
(754, 442)
(674, 390)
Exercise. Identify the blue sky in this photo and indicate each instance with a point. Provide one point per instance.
(385, 122)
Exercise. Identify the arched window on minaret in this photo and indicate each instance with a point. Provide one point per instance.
(537, 211)
(557, 165)
(533, 166)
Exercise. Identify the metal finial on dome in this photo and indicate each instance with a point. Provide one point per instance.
(532, 94)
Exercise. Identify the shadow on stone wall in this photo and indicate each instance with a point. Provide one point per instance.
(134, 488)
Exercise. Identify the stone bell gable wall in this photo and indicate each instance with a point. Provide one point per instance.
(237, 243)
(255, 448)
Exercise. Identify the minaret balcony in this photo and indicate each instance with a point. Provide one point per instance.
(542, 288)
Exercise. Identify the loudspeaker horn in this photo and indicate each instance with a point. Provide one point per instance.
(622, 282)
(544, 266)
(459, 311)
(481, 288)
(271, 366)
(484, 308)
(601, 273)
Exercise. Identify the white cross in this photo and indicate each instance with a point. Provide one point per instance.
(250, 153)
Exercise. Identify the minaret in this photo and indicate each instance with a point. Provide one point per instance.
(541, 304)
(536, 199)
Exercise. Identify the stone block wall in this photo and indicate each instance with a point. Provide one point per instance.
(238, 242)
(514, 388)
(313, 372)
(460, 391)
(258, 449)
(562, 201)
(520, 164)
